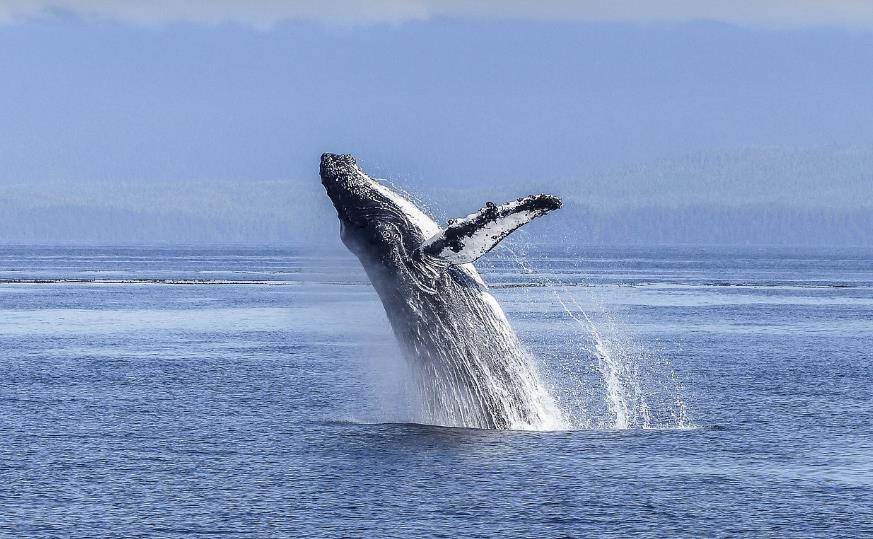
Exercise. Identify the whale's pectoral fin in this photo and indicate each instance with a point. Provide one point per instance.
(468, 238)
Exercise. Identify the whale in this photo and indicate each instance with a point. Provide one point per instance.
(469, 366)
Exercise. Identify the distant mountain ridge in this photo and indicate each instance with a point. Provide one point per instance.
(756, 196)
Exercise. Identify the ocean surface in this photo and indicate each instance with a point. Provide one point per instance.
(169, 392)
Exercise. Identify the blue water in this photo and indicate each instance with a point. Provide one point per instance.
(258, 392)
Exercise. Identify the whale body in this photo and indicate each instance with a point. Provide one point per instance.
(470, 366)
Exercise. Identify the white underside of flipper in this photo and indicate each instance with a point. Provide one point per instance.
(467, 239)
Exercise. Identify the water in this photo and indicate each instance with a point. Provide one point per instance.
(187, 392)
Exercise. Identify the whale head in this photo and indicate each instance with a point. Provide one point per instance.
(376, 223)
(380, 225)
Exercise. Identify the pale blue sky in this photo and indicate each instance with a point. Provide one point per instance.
(671, 121)
(453, 99)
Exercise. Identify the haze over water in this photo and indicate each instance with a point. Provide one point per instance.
(260, 401)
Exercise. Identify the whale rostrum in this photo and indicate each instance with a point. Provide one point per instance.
(470, 367)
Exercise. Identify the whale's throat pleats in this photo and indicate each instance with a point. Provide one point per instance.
(469, 366)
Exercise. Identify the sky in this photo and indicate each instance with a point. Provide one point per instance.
(265, 13)
(432, 94)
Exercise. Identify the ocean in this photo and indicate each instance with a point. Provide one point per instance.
(258, 392)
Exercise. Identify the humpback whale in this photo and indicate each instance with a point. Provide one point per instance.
(470, 367)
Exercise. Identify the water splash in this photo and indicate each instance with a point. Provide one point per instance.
(468, 364)
(612, 381)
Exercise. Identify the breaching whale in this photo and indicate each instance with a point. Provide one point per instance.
(470, 367)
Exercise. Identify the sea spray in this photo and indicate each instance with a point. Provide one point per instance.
(609, 380)
(468, 362)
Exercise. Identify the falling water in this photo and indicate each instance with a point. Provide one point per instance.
(471, 370)
(633, 387)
